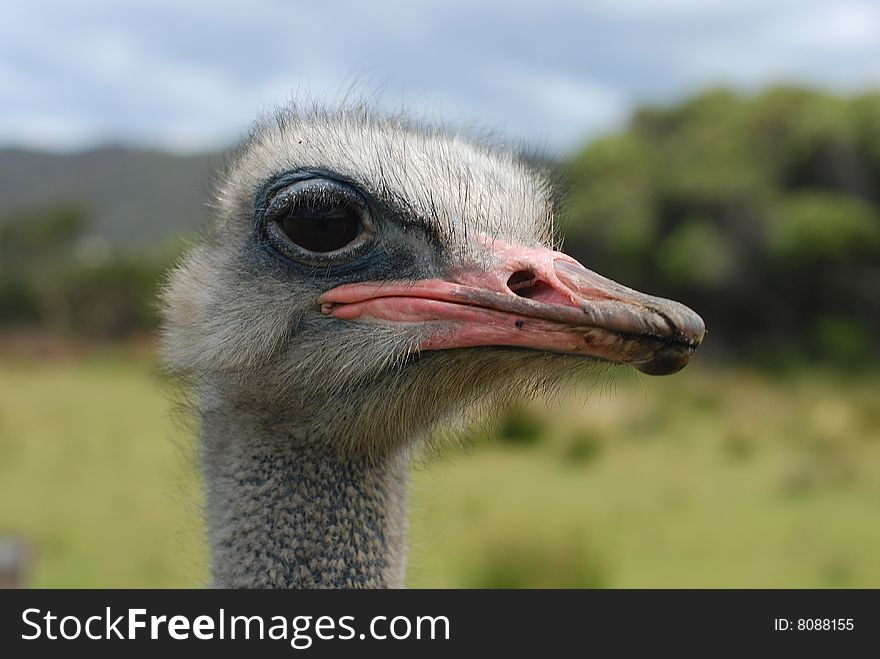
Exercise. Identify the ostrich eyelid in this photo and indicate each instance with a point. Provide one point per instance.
(284, 202)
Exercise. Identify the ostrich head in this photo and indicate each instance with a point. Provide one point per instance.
(366, 281)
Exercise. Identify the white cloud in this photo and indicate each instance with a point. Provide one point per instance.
(568, 106)
(583, 100)
(843, 27)
(194, 74)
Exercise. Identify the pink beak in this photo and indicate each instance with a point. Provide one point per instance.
(533, 298)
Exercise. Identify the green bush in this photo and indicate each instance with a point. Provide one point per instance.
(809, 228)
(18, 302)
(520, 425)
(55, 275)
(761, 212)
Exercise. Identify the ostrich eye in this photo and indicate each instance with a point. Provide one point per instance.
(325, 227)
(320, 220)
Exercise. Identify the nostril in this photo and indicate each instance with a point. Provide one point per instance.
(526, 284)
(520, 279)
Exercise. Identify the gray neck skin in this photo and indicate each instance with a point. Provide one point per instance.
(284, 513)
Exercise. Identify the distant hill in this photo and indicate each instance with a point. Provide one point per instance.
(132, 197)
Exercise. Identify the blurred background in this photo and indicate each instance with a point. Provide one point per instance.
(725, 154)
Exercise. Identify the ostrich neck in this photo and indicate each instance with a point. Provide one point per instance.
(285, 512)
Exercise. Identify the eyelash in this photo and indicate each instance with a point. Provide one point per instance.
(317, 196)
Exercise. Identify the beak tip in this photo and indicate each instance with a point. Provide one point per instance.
(685, 322)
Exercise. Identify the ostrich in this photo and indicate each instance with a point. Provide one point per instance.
(365, 283)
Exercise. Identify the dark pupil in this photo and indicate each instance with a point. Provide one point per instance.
(322, 229)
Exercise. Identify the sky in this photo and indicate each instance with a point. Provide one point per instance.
(191, 75)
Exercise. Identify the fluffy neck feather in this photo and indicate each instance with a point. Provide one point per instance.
(284, 512)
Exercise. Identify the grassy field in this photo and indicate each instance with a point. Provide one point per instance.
(709, 478)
